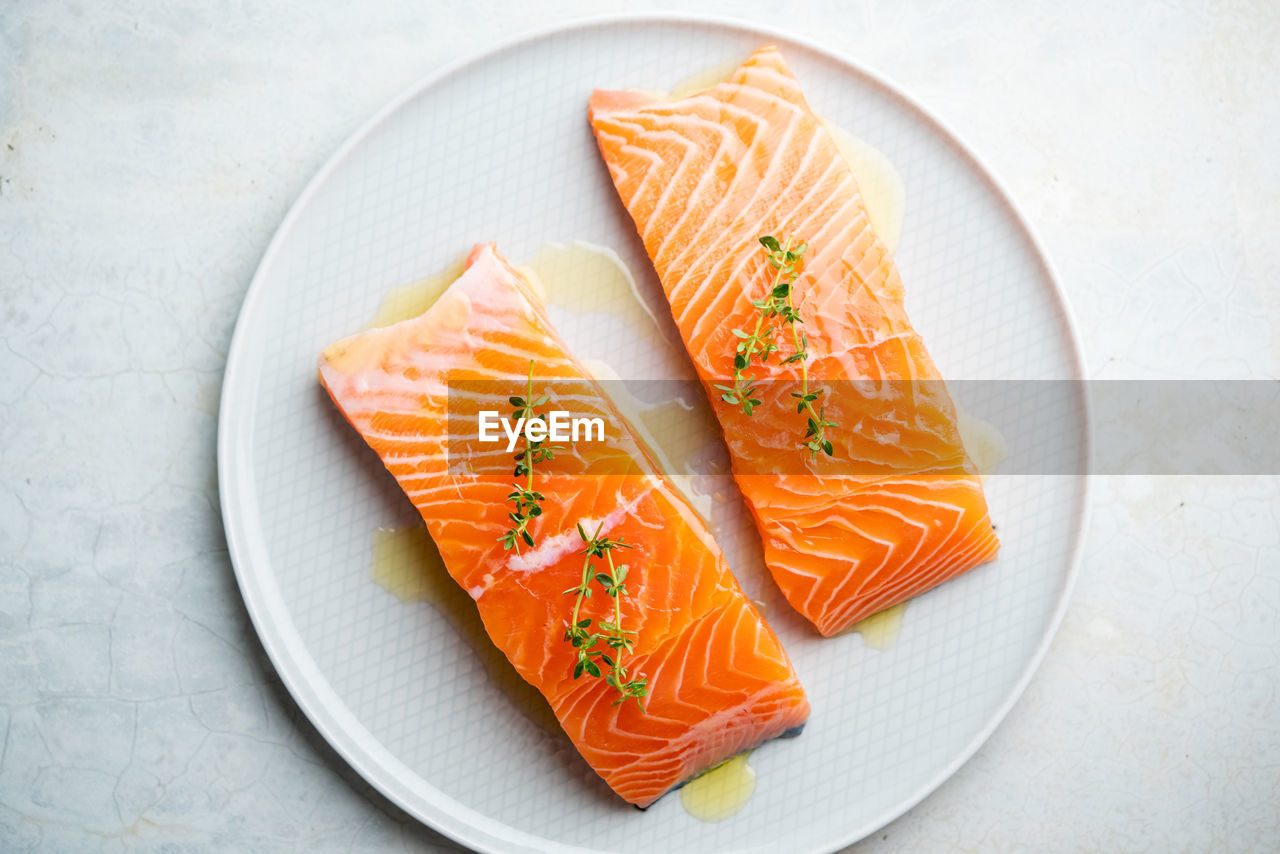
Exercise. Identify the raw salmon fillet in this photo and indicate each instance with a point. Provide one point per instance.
(898, 509)
(719, 680)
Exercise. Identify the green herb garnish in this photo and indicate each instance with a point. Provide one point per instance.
(758, 343)
(778, 303)
(528, 501)
(617, 640)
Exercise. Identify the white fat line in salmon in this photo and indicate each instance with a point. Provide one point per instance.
(556, 426)
(552, 550)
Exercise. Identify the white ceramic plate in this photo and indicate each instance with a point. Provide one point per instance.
(498, 148)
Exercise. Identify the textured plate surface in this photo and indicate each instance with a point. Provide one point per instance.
(498, 148)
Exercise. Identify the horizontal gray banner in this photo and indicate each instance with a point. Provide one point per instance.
(869, 428)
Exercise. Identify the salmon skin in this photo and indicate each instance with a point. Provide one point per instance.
(898, 508)
(719, 680)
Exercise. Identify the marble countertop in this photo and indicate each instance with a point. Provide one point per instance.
(147, 153)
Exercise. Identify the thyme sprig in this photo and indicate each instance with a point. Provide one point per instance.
(760, 343)
(617, 640)
(527, 500)
(780, 303)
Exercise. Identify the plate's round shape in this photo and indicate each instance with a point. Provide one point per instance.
(498, 148)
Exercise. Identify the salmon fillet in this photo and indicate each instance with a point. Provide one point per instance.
(719, 682)
(898, 508)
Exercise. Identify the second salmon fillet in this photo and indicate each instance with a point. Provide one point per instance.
(897, 508)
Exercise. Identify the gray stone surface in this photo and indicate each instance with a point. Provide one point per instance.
(148, 151)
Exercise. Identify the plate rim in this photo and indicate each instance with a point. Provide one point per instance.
(294, 672)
